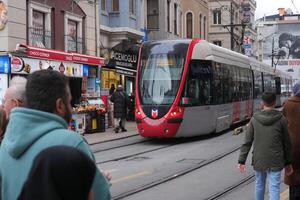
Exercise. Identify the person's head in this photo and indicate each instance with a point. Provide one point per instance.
(60, 172)
(269, 99)
(296, 89)
(285, 40)
(112, 86)
(49, 91)
(15, 94)
(120, 88)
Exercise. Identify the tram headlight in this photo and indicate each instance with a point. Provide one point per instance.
(139, 114)
(176, 112)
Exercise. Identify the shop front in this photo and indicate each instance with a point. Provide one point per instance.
(121, 69)
(83, 72)
(4, 74)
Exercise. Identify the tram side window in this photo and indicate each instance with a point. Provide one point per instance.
(269, 83)
(217, 83)
(246, 84)
(257, 84)
(197, 88)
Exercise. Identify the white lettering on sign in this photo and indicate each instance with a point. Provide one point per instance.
(124, 57)
(39, 53)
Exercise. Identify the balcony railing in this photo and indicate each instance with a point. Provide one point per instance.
(39, 37)
(74, 44)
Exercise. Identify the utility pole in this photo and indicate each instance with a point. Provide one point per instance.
(231, 28)
(272, 55)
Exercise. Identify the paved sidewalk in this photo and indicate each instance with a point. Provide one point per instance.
(109, 134)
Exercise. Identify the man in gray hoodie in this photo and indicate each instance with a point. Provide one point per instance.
(268, 132)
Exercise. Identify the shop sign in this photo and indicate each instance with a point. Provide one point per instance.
(4, 64)
(49, 54)
(17, 64)
(125, 72)
(126, 60)
(28, 65)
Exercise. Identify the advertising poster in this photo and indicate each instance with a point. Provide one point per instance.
(286, 47)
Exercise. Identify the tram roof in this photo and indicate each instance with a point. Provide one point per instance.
(207, 51)
(260, 66)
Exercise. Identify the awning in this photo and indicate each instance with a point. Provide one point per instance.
(50, 54)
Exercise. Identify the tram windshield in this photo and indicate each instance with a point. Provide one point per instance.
(160, 71)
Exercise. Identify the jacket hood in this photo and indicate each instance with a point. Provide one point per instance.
(268, 117)
(26, 126)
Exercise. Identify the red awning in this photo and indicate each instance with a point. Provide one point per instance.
(50, 54)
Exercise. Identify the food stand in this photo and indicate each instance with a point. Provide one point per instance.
(89, 116)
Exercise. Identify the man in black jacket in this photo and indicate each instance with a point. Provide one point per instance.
(120, 100)
(268, 132)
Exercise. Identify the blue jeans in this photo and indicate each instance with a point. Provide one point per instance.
(274, 178)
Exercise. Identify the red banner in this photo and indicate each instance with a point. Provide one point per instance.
(49, 54)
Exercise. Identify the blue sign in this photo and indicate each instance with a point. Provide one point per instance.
(85, 70)
(145, 37)
(4, 64)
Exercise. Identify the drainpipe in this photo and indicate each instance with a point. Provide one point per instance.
(96, 28)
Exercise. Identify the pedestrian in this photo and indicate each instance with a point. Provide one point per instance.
(3, 122)
(42, 123)
(59, 173)
(268, 132)
(112, 89)
(14, 96)
(120, 100)
(291, 111)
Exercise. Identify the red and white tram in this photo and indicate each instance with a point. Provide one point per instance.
(191, 87)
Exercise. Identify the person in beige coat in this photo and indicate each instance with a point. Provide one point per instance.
(291, 111)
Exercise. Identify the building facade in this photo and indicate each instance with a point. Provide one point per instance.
(61, 35)
(163, 19)
(122, 31)
(230, 24)
(279, 43)
(195, 18)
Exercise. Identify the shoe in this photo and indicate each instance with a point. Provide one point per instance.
(116, 130)
(124, 130)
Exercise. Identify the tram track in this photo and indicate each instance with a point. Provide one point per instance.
(181, 173)
(112, 140)
(236, 186)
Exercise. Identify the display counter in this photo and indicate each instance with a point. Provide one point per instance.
(88, 119)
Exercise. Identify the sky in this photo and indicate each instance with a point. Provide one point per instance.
(269, 7)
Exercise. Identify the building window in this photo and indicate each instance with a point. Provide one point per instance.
(168, 15)
(217, 17)
(73, 33)
(175, 19)
(200, 26)
(39, 26)
(115, 6)
(217, 42)
(152, 15)
(103, 5)
(204, 27)
(189, 25)
(132, 7)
